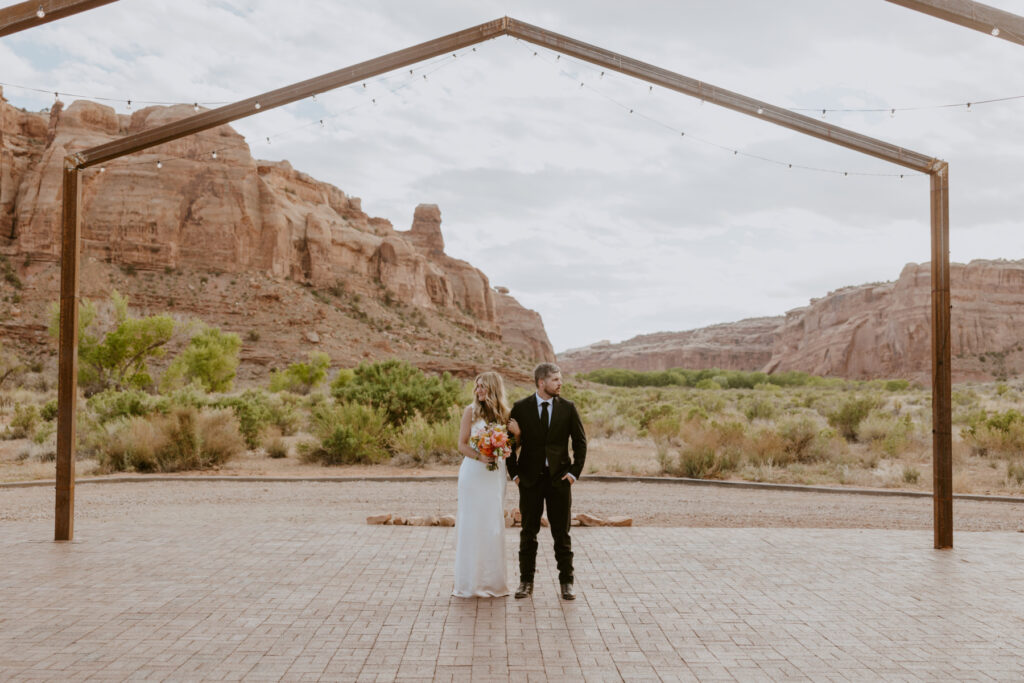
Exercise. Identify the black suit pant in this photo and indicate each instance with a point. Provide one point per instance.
(557, 496)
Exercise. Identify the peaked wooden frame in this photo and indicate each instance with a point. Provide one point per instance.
(973, 15)
(938, 170)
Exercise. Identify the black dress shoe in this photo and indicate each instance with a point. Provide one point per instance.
(567, 592)
(525, 590)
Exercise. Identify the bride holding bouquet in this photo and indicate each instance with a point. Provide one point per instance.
(480, 518)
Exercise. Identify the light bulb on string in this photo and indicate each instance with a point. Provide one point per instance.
(159, 164)
(257, 105)
(321, 123)
(103, 169)
(822, 113)
(56, 95)
(313, 96)
(195, 106)
(968, 106)
(40, 12)
(213, 154)
(892, 113)
(268, 139)
(995, 31)
(129, 104)
(760, 110)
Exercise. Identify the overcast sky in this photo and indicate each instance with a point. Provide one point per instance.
(608, 223)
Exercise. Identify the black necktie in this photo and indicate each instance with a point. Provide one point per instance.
(544, 417)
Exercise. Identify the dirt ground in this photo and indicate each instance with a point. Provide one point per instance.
(649, 504)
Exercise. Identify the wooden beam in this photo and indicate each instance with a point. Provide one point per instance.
(722, 97)
(67, 365)
(25, 15)
(984, 18)
(942, 386)
(291, 93)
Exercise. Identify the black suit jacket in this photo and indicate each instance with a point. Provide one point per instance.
(527, 458)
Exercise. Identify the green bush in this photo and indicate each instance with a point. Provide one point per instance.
(759, 408)
(851, 411)
(999, 433)
(49, 410)
(24, 421)
(112, 404)
(886, 432)
(707, 384)
(1015, 473)
(253, 411)
(301, 378)
(348, 433)
(702, 462)
(399, 390)
(802, 440)
(211, 359)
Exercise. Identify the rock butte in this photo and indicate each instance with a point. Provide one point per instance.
(231, 217)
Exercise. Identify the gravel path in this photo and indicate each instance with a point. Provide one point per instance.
(649, 504)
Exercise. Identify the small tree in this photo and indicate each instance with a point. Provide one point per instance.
(211, 359)
(119, 358)
(398, 389)
(301, 378)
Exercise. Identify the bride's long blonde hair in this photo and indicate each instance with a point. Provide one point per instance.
(494, 408)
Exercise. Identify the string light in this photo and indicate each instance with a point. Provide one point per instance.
(159, 164)
(103, 169)
(213, 154)
(257, 105)
(760, 110)
(735, 151)
(195, 106)
(995, 31)
(40, 12)
(129, 104)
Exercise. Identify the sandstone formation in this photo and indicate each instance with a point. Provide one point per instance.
(884, 330)
(879, 330)
(743, 345)
(227, 213)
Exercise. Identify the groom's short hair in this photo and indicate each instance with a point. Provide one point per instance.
(544, 370)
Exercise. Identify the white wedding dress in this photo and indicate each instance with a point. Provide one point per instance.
(480, 529)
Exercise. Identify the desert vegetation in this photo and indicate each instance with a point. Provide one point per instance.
(786, 427)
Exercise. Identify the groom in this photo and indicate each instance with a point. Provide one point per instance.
(546, 473)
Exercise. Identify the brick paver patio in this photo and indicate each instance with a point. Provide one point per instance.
(211, 599)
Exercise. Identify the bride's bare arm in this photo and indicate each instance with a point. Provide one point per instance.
(464, 428)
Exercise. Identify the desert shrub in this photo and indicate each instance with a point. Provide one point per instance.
(211, 359)
(284, 414)
(24, 421)
(10, 365)
(759, 408)
(707, 384)
(1015, 473)
(111, 404)
(890, 434)
(186, 439)
(274, 443)
(399, 390)
(803, 441)
(420, 442)
(703, 462)
(768, 446)
(847, 416)
(49, 410)
(911, 474)
(348, 433)
(301, 378)
(192, 395)
(896, 385)
(999, 433)
(711, 402)
(253, 411)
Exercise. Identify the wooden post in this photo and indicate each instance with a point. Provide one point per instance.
(942, 403)
(67, 365)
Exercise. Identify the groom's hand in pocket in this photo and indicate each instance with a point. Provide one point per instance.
(572, 479)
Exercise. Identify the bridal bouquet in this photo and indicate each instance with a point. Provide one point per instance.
(492, 442)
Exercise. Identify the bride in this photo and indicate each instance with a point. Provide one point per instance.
(480, 517)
